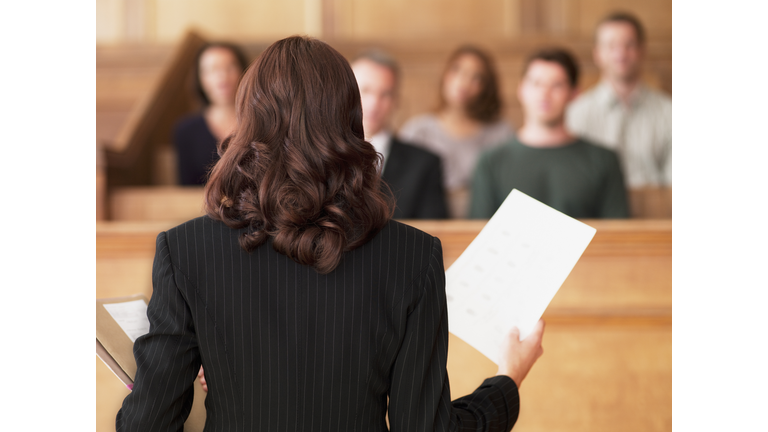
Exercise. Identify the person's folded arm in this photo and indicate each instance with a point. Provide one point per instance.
(433, 205)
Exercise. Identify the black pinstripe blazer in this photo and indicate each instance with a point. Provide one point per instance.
(287, 349)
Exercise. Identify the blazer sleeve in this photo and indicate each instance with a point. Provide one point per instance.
(167, 358)
(420, 395)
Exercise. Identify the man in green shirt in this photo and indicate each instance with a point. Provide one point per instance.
(545, 161)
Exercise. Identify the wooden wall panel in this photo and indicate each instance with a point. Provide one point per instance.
(416, 19)
(125, 74)
(231, 19)
(486, 19)
(591, 378)
(656, 15)
(156, 203)
(110, 18)
(166, 21)
(600, 379)
(110, 395)
(126, 275)
(607, 363)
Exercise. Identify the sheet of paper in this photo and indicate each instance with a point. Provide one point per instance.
(511, 271)
(131, 317)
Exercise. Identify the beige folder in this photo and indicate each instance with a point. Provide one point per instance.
(115, 349)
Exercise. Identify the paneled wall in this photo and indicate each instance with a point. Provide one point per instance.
(482, 19)
(164, 21)
(136, 37)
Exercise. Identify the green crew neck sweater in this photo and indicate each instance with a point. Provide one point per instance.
(579, 179)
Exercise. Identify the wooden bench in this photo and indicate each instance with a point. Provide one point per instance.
(174, 203)
(608, 345)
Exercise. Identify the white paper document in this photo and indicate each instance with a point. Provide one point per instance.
(131, 317)
(511, 271)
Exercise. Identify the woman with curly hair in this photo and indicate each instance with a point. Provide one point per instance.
(467, 122)
(307, 305)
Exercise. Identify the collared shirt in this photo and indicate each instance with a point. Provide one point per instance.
(382, 141)
(640, 131)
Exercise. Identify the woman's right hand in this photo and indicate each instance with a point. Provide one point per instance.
(517, 357)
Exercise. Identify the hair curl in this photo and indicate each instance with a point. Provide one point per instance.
(297, 168)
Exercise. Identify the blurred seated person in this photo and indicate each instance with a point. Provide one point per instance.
(218, 71)
(621, 113)
(467, 122)
(545, 161)
(413, 174)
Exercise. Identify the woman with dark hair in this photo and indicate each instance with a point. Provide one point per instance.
(219, 66)
(467, 122)
(307, 305)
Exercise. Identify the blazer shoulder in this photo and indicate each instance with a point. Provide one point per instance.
(408, 243)
(194, 224)
(395, 232)
(195, 231)
(412, 151)
(393, 225)
(410, 237)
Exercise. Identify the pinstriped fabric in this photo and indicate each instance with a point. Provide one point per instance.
(287, 349)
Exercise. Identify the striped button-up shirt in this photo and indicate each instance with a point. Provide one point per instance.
(639, 131)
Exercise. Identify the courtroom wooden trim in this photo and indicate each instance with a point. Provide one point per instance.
(145, 116)
(607, 344)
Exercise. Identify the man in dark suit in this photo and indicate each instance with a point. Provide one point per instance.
(413, 174)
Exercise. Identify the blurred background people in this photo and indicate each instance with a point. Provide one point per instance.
(467, 121)
(545, 161)
(219, 68)
(413, 174)
(621, 113)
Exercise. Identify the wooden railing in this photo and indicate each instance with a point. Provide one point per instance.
(608, 343)
(173, 203)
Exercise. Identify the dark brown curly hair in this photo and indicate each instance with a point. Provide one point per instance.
(486, 107)
(297, 168)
